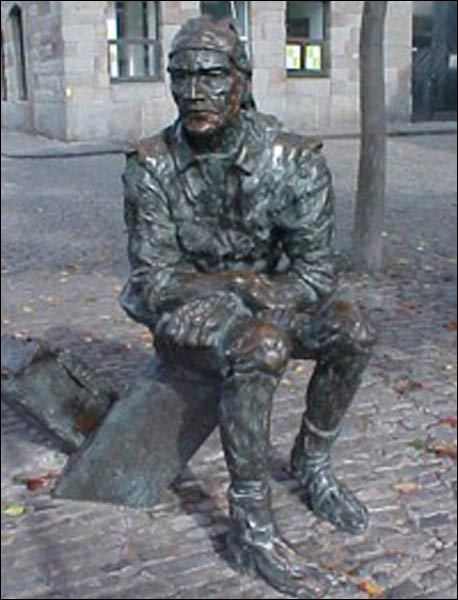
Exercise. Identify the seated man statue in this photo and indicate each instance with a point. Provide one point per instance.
(230, 222)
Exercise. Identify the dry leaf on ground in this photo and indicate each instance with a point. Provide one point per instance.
(145, 336)
(447, 450)
(35, 482)
(13, 510)
(372, 589)
(406, 487)
(452, 421)
(452, 325)
(406, 385)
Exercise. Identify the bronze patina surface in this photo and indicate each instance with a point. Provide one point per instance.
(231, 224)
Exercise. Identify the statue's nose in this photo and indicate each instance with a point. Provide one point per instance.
(194, 91)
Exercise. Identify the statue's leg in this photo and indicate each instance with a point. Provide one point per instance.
(258, 354)
(341, 342)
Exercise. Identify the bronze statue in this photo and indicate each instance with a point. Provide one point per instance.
(230, 222)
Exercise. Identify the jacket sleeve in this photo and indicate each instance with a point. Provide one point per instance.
(307, 232)
(155, 258)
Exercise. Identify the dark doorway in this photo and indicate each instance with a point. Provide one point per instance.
(435, 61)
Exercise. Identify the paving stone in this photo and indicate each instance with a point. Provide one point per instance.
(407, 589)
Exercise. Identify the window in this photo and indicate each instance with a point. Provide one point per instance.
(238, 11)
(133, 41)
(307, 26)
(423, 23)
(17, 29)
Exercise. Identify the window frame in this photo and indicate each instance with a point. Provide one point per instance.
(147, 42)
(304, 41)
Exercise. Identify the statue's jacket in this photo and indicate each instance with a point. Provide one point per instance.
(266, 206)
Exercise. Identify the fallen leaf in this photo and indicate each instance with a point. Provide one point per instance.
(22, 333)
(407, 307)
(451, 421)
(447, 450)
(403, 386)
(452, 325)
(416, 445)
(13, 510)
(372, 589)
(145, 336)
(35, 482)
(406, 487)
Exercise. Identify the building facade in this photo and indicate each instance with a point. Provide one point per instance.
(78, 70)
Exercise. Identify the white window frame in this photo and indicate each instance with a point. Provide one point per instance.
(115, 43)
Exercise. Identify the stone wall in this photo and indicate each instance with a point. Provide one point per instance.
(44, 109)
(71, 95)
(97, 107)
(316, 103)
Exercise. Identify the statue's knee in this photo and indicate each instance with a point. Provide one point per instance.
(357, 331)
(256, 345)
(362, 337)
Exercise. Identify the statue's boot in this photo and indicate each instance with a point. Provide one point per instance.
(255, 545)
(327, 497)
(253, 542)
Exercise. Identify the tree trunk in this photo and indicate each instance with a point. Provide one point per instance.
(370, 199)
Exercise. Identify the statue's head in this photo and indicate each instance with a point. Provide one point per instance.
(211, 75)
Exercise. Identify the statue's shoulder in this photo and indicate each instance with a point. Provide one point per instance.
(285, 143)
(149, 150)
(298, 143)
(303, 159)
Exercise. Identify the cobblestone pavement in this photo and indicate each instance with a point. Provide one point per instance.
(63, 264)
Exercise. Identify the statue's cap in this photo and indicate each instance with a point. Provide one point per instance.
(205, 33)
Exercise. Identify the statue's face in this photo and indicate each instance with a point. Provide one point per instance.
(206, 89)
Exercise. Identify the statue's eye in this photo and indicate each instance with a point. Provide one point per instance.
(178, 76)
(216, 73)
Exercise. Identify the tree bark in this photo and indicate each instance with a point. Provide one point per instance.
(370, 199)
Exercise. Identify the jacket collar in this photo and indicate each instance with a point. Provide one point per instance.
(246, 156)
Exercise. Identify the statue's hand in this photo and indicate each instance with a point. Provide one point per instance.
(202, 322)
(257, 291)
(264, 293)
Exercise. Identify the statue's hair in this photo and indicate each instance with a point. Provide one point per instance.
(205, 33)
